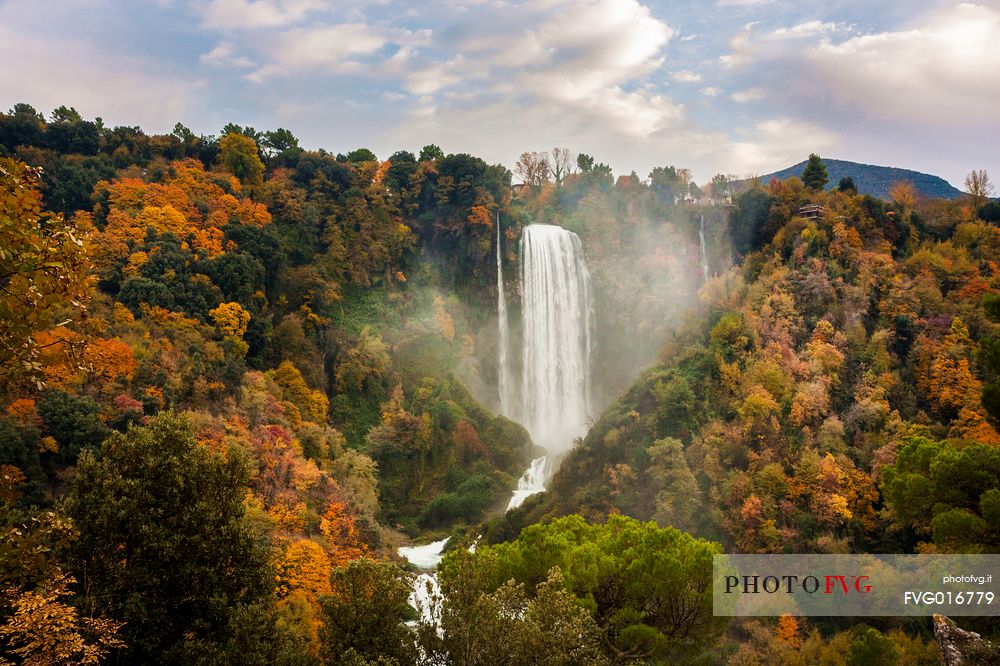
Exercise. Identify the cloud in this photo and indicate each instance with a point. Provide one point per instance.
(584, 60)
(229, 15)
(710, 91)
(811, 29)
(685, 76)
(437, 76)
(741, 49)
(591, 52)
(334, 49)
(777, 143)
(941, 72)
(119, 88)
(224, 55)
(748, 95)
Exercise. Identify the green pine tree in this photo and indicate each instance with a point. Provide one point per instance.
(814, 176)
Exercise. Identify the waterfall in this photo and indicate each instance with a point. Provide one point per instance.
(425, 585)
(701, 246)
(503, 368)
(554, 403)
(426, 556)
(531, 482)
(558, 322)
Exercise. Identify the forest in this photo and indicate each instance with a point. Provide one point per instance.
(237, 375)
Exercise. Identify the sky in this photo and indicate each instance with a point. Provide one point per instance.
(719, 86)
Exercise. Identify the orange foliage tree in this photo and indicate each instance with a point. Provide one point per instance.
(342, 538)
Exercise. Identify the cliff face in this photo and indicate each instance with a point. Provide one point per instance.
(963, 648)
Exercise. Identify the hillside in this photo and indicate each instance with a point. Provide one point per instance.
(840, 367)
(874, 180)
(237, 375)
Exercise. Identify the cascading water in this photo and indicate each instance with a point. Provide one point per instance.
(503, 367)
(554, 402)
(701, 246)
(530, 483)
(425, 585)
(558, 326)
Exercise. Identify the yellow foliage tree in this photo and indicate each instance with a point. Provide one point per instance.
(311, 403)
(44, 630)
(443, 319)
(238, 155)
(305, 566)
(44, 268)
(232, 320)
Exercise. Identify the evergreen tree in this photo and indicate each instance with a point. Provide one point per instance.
(364, 615)
(166, 546)
(814, 176)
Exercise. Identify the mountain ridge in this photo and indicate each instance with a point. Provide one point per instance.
(873, 179)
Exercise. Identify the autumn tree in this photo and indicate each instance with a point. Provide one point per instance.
(814, 174)
(533, 169)
(238, 155)
(40, 622)
(904, 193)
(562, 164)
(43, 271)
(232, 320)
(787, 631)
(978, 187)
(46, 629)
(341, 533)
(311, 403)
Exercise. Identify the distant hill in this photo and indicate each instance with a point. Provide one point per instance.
(874, 180)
